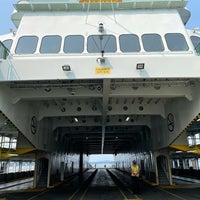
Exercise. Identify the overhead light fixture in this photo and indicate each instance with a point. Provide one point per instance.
(75, 119)
(66, 68)
(127, 119)
(140, 66)
(13, 154)
(179, 152)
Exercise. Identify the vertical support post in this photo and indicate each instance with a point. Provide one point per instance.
(62, 170)
(7, 166)
(20, 166)
(169, 169)
(154, 159)
(81, 163)
(49, 171)
(81, 168)
(197, 163)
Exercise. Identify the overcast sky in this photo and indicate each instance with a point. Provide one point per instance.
(6, 9)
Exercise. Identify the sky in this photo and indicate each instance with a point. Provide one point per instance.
(105, 157)
(6, 9)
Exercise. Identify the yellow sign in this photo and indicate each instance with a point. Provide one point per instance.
(98, 1)
(102, 70)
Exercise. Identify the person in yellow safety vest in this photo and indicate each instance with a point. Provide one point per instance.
(135, 173)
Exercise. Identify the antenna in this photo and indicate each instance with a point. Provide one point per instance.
(113, 10)
(88, 8)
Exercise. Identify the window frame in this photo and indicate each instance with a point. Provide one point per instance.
(135, 37)
(172, 49)
(30, 52)
(52, 52)
(194, 36)
(10, 45)
(65, 44)
(147, 48)
(101, 50)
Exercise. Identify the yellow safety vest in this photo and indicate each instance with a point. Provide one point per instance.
(135, 170)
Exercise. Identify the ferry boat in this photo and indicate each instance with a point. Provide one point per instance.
(86, 77)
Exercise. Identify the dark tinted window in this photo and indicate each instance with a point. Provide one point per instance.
(152, 42)
(99, 43)
(26, 45)
(129, 43)
(74, 44)
(176, 42)
(2, 51)
(50, 44)
(8, 43)
(195, 40)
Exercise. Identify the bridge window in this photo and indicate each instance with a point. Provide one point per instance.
(152, 42)
(195, 41)
(50, 44)
(26, 45)
(176, 42)
(8, 142)
(129, 43)
(8, 43)
(13, 143)
(74, 44)
(190, 140)
(101, 43)
(5, 142)
(197, 138)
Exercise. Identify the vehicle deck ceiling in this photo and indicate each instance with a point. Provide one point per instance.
(100, 115)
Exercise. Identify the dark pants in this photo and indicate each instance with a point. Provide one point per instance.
(135, 185)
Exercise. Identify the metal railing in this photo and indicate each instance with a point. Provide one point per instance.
(7, 70)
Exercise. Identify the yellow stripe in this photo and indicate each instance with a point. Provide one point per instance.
(126, 198)
(71, 197)
(82, 197)
(172, 194)
(37, 195)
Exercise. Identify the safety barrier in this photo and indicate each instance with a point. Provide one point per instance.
(14, 176)
(7, 70)
(189, 173)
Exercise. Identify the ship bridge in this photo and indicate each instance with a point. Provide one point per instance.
(82, 78)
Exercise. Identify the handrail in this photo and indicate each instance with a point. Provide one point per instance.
(8, 72)
(4, 51)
